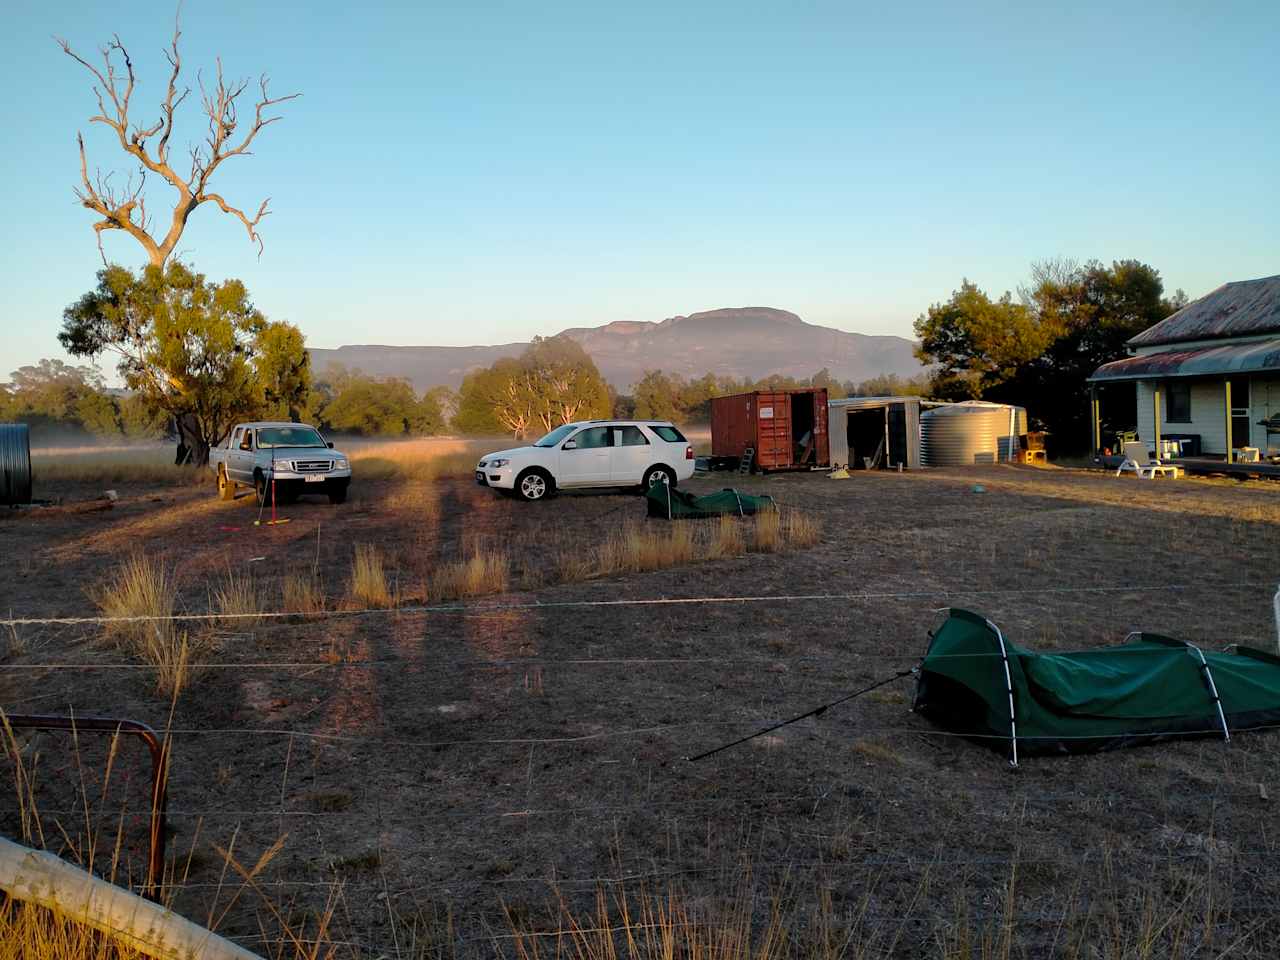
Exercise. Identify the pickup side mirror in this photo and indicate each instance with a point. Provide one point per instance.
(570, 445)
(330, 444)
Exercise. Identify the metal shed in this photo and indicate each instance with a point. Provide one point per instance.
(785, 429)
(875, 432)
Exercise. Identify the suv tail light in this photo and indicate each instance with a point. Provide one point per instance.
(688, 453)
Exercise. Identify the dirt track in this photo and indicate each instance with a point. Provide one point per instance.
(492, 756)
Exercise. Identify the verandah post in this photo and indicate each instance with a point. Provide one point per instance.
(1226, 396)
(1095, 420)
(1156, 397)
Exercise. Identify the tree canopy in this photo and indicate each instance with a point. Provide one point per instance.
(351, 402)
(1039, 352)
(976, 343)
(194, 350)
(552, 382)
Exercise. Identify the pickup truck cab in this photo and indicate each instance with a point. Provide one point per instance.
(294, 455)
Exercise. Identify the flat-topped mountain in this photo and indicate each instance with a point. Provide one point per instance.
(737, 341)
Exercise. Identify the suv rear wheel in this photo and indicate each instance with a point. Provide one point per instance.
(534, 484)
(658, 474)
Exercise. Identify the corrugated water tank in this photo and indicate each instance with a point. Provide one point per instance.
(962, 434)
(15, 464)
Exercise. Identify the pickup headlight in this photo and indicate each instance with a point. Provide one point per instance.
(500, 462)
(341, 464)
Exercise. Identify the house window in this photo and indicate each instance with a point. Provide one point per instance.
(1178, 402)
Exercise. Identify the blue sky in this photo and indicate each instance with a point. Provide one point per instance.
(483, 172)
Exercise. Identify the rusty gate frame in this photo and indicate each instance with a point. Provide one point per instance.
(158, 820)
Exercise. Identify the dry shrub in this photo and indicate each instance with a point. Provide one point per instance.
(237, 599)
(483, 572)
(801, 529)
(766, 532)
(141, 587)
(301, 593)
(368, 579)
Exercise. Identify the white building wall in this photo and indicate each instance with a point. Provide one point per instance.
(1208, 414)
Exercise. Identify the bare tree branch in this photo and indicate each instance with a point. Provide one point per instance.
(115, 84)
(250, 225)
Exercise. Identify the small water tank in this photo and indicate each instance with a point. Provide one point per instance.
(15, 464)
(962, 434)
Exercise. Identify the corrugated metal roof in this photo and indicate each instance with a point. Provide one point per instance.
(870, 401)
(1240, 309)
(1260, 355)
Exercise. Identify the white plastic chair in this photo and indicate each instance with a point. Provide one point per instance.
(1138, 460)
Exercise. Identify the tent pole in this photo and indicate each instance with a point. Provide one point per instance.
(1213, 690)
(1008, 686)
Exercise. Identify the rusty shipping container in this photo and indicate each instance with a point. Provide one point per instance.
(786, 428)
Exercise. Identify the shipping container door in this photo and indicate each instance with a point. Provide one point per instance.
(820, 429)
(773, 427)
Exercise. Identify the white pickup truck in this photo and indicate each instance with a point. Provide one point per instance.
(294, 455)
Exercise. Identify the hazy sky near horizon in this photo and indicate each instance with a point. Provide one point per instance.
(483, 172)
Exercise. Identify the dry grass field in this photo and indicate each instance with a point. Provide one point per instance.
(470, 729)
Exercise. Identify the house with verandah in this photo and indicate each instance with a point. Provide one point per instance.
(1207, 376)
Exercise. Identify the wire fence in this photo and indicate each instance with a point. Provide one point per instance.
(67, 802)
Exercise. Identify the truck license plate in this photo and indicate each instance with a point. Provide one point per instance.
(315, 479)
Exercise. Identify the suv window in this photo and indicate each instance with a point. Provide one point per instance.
(629, 437)
(669, 434)
(246, 442)
(592, 438)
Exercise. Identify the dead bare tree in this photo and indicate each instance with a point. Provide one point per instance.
(124, 206)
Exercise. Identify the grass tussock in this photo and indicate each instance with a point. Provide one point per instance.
(800, 530)
(171, 654)
(237, 599)
(726, 539)
(301, 593)
(32, 932)
(368, 578)
(766, 532)
(639, 547)
(483, 572)
(142, 587)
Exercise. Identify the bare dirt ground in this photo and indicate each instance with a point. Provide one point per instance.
(487, 762)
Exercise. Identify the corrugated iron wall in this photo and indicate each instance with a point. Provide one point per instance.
(15, 463)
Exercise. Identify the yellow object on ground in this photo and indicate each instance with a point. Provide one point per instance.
(840, 473)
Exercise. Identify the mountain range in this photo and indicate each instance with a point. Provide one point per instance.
(736, 341)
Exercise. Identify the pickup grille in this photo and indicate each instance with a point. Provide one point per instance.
(312, 466)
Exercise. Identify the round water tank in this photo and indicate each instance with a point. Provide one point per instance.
(962, 434)
(15, 463)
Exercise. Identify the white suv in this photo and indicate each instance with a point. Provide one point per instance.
(594, 453)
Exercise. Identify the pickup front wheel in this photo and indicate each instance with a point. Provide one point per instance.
(226, 489)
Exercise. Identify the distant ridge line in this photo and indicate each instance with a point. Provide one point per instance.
(734, 341)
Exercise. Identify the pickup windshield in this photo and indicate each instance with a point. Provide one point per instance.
(269, 437)
(555, 436)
